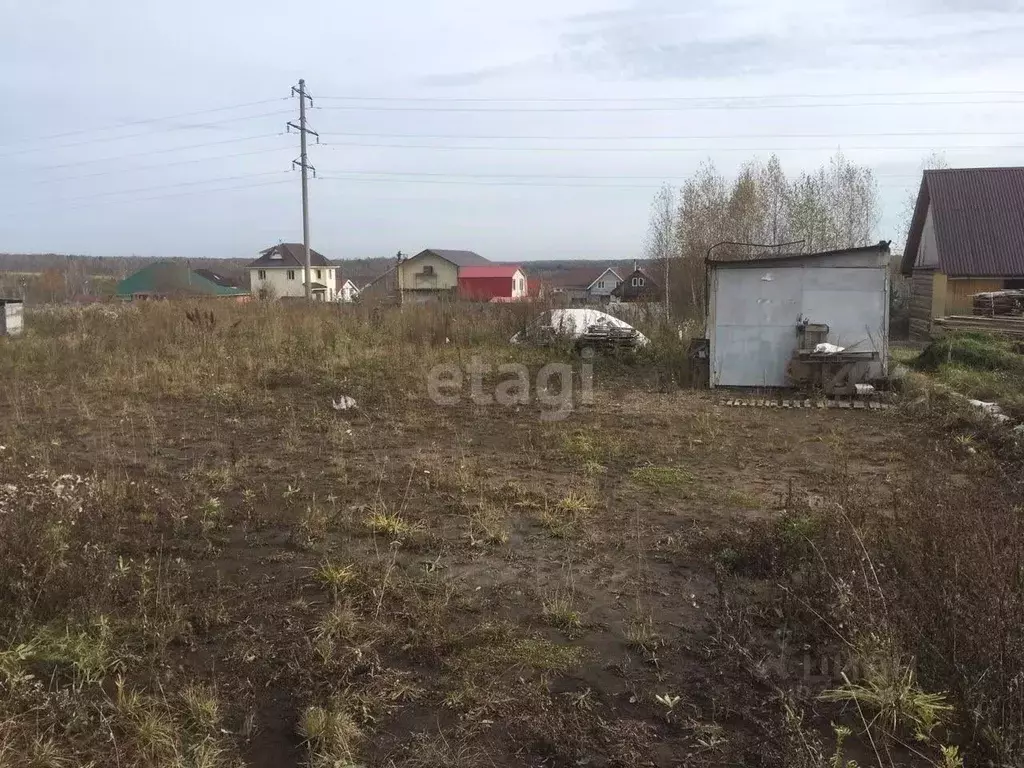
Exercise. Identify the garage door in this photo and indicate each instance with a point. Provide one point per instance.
(756, 310)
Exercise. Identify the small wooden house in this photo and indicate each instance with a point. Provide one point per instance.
(966, 237)
(638, 286)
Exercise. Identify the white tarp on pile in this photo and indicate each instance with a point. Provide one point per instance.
(573, 323)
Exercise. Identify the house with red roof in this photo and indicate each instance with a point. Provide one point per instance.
(501, 282)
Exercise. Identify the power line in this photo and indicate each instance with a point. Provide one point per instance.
(164, 150)
(698, 108)
(159, 187)
(144, 133)
(686, 137)
(478, 183)
(831, 148)
(615, 177)
(145, 121)
(158, 166)
(484, 183)
(190, 193)
(743, 97)
(198, 192)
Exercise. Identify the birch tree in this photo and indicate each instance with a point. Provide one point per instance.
(660, 247)
(835, 206)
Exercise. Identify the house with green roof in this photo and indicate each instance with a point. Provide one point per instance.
(177, 280)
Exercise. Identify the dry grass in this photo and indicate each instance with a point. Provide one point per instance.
(561, 612)
(203, 564)
(918, 597)
(330, 735)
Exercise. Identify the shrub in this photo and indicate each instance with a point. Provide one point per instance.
(937, 579)
(978, 351)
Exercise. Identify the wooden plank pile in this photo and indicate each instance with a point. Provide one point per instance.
(998, 303)
(606, 337)
(1001, 326)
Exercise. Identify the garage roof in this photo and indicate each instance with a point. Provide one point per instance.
(727, 259)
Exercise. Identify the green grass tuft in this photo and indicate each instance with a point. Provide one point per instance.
(655, 477)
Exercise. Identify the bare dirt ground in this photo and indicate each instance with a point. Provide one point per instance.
(454, 586)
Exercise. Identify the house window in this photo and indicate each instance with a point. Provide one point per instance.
(601, 284)
(291, 274)
(638, 282)
(318, 274)
(262, 274)
(428, 270)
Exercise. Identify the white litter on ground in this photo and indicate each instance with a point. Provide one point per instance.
(827, 349)
(343, 403)
(992, 409)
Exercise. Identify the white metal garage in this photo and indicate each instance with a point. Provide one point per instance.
(755, 306)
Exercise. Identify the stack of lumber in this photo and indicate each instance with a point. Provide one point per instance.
(1000, 326)
(997, 303)
(602, 335)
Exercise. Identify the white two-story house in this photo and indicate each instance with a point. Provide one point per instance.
(280, 271)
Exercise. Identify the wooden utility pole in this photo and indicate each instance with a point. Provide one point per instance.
(398, 277)
(305, 167)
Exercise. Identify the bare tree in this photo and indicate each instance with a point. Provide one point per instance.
(835, 206)
(660, 247)
(775, 201)
(699, 225)
(932, 161)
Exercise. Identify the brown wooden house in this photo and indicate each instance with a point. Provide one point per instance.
(966, 237)
(638, 286)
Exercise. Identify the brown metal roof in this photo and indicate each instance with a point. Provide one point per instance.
(978, 215)
(458, 258)
(578, 277)
(291, 255)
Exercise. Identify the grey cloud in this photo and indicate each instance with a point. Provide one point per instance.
(971, 7)
(630, 56)
(471, 77)
(647, 43)
(641, 11)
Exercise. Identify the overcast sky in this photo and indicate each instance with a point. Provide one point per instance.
(509, 172)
